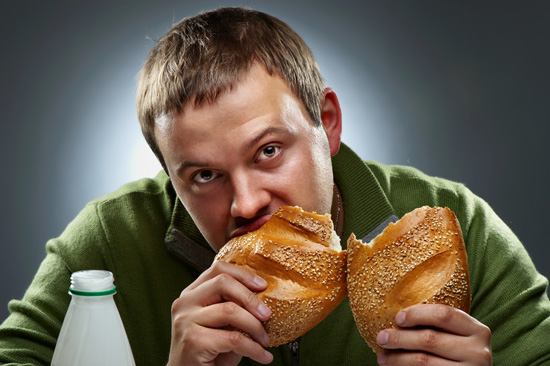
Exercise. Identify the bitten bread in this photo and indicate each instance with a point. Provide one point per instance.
(420, 259)
(306, 277)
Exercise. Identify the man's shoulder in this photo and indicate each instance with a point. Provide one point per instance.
(403, 174)
(123, 221)
(157, 186)
(146, 200)
(407, 187)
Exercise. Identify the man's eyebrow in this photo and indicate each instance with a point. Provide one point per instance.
(270, 130)
(190, 164)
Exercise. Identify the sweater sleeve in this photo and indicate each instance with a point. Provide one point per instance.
(29, 334)
(508, 294)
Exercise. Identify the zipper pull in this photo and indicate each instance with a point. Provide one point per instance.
(294, 357)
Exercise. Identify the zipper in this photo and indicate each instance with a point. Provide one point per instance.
(294, 357)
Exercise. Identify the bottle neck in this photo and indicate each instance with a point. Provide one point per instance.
(92, 283)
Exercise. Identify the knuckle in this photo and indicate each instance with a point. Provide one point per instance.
(444, 313)
(393, 338)
(486, 332)
(186, 336)
(485, 356)
(235, 337)
(228, 308)
(176, 306)
(429, 338)
(421, 359)
(180, 311)
(179, 321)
(221, 280)
(191, 336)
(250, 298)
(217, 267)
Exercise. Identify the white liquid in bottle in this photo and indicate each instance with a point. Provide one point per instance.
(92, 332)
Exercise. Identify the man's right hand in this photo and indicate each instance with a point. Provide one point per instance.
(222, 296)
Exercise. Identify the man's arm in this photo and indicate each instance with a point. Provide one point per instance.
(508, 294)
(28, 336)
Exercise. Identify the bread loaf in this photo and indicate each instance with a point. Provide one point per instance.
(420, 259)
(306, 278)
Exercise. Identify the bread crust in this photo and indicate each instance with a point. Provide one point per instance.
(306, 279)
(421, 259)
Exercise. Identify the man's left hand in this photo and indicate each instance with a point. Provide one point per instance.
(432, 334)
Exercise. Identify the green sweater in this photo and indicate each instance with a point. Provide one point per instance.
(128, 232)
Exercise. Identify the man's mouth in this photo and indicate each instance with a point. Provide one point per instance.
(255, 224)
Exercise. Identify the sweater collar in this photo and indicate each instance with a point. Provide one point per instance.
(365, 204)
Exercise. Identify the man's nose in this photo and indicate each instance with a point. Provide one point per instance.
(249, 196)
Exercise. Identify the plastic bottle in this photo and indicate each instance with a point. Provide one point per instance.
(92, 332)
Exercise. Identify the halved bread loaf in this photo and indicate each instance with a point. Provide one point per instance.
(418, 260)
(306, 278)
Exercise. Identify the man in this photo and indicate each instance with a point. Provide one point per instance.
(233, 105)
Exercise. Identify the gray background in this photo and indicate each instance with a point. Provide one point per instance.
(457, 89)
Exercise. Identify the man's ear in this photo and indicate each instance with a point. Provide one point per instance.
(331, 116)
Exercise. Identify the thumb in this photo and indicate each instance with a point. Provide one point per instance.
(228, 359)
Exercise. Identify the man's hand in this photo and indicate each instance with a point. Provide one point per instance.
(222, 296)
(435, 335)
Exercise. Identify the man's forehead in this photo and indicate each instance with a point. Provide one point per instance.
(211, 94)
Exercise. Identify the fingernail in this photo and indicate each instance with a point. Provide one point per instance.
(264, 310)
(400, 318)
(382, 357)
(382, 338)
(268, 357)
(260, 282)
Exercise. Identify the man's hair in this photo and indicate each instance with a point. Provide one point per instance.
(206, 55)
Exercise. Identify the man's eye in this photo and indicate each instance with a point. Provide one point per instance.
(268, 152)
(204, 176)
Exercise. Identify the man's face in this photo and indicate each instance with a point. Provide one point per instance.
(236, 161)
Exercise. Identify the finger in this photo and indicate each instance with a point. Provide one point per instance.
(445, 345)
(444, 317)
(224, 341)
(230, 314)
(411, 358)
(247, 278)
(224, 288)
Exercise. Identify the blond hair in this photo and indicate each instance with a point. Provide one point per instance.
(205, 55)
